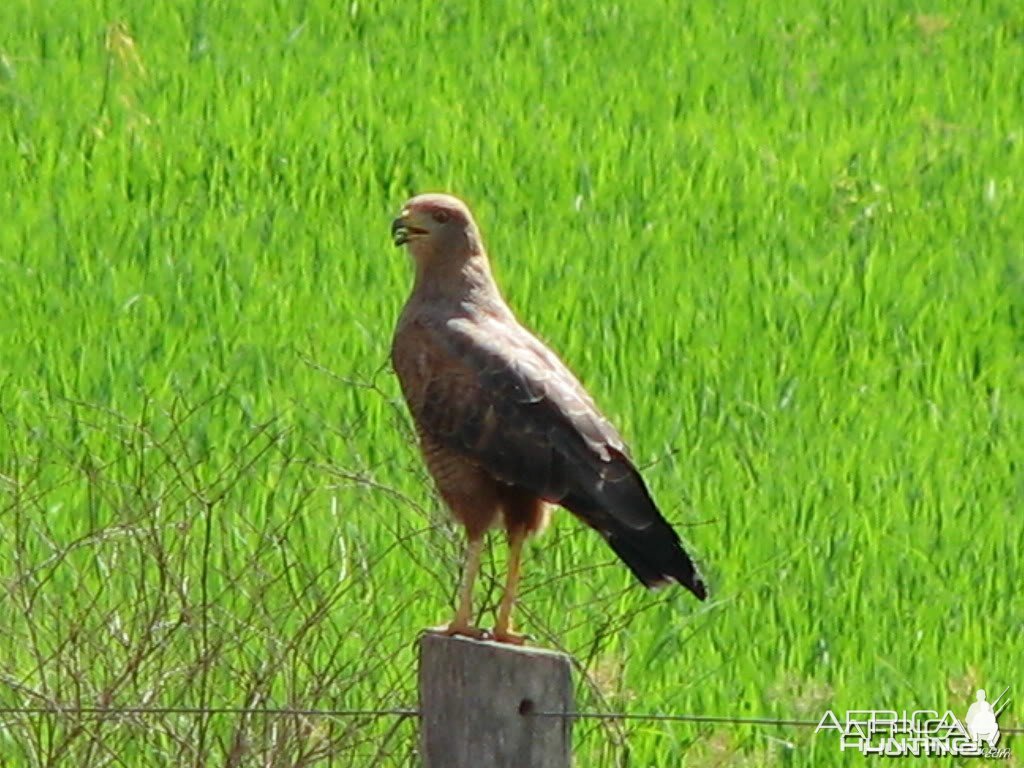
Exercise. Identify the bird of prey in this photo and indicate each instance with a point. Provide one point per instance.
(504, 427)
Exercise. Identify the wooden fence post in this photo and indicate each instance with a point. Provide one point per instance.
(475, 704)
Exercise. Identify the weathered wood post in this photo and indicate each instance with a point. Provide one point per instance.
(475, 703)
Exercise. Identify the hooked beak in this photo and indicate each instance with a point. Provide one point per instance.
(402, 232)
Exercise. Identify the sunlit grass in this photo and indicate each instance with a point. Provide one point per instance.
(782, 245)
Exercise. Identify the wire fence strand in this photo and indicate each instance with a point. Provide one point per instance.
(403, 712)
(207, 711)
(722, 719)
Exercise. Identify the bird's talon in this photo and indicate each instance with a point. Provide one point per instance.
(510, 638)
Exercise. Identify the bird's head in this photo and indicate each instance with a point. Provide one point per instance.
(437, 226)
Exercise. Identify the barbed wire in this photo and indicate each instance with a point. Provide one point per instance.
(402, 712)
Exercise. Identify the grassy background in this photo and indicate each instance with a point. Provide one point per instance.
(782, 243)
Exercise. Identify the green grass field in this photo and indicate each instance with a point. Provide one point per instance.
(782, 243)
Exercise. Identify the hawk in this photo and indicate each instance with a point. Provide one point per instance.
(504, 427)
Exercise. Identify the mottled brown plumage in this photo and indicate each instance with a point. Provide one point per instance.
(504, 426)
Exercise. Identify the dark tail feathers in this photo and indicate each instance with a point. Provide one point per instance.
(656, 556)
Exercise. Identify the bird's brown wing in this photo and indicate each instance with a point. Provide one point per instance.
(490, 391)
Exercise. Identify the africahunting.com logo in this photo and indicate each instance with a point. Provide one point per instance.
(922, 733)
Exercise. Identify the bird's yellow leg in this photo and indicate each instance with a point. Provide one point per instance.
(460, 625)
(503, 631)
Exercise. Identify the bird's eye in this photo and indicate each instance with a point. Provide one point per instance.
(440, 217)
